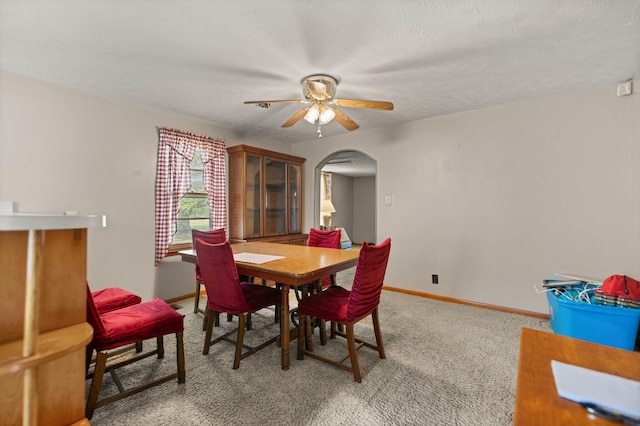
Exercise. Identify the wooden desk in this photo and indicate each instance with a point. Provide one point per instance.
(537, 401)
(301, 265)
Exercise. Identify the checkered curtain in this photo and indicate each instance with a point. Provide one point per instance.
(173, 179)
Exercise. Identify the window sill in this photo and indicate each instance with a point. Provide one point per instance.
(173, 250)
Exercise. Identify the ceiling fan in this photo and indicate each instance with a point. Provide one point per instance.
(319, 91)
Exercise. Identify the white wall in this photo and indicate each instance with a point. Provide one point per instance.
(364, 210)
(496, 200)
(342, 199)
(64, 150)
(492, 200)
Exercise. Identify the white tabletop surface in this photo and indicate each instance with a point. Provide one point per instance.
(37, 221)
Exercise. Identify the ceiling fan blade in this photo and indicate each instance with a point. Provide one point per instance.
(282, 101)
(361, 103)
(296, 117)
(342, 118)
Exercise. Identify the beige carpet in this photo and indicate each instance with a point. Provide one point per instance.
(447, 364)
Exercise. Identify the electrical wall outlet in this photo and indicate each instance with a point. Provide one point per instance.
(434, 279)
(625, 89)
(8, 207)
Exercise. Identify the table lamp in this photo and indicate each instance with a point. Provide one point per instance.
(326, 208)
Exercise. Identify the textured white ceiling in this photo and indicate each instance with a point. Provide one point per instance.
(351, 163)
(204, 58)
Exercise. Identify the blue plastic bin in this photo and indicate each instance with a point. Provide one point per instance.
(607, 325)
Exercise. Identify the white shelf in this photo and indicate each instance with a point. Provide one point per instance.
(36, 221)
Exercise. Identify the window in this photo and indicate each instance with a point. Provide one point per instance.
(190, 188)
(193, 210)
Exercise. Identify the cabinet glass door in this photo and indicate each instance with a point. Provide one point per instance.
(295, 198)
(275, 197)
(253, 197)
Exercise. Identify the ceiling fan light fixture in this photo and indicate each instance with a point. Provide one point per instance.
(312, 114)
(326, 115)
(319, 87)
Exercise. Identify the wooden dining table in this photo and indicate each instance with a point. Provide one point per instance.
(537, 400)
(299, 265)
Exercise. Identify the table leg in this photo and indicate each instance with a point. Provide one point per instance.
(284, 326)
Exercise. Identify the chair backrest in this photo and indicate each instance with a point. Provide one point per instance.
(212, 236)
(93, 317)
(220, 277)
(326, 239)
(320, 238)
(368, 280)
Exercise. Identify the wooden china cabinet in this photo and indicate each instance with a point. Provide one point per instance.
(266, 196)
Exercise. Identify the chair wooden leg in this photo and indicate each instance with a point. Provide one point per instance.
(88, 357)
(239, 340)
(301, 329)
(160, 343)
(196, 304)
(96, 383)
(353, 353)
(216, 316)
(308, 330)
(304, 321)
(322, 325)
(207, 337)
(376, 329)
(180, 357)
(332, 334)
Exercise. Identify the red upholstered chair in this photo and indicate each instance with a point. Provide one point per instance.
(110, 299)
(327, 239)
(115, 329)
(213, 236)
(227, 294)
(347, 307)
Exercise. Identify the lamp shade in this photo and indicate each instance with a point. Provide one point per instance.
(327, 207)
(312, 114)
(326, 115)
(320, 113)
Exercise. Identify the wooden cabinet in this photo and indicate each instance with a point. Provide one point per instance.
(43, 328)
(265, 196)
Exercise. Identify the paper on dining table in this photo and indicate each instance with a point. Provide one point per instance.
(255, 258)
(583, 385)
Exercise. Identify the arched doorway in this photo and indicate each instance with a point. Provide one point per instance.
(353, 193)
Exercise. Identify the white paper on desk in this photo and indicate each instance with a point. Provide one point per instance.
(605, 390)
(255, 258)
